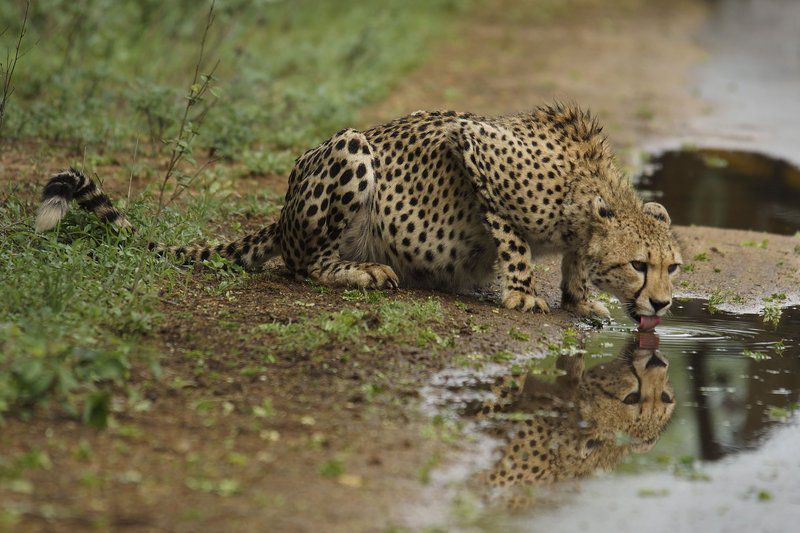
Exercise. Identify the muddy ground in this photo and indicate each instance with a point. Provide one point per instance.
(341, 444)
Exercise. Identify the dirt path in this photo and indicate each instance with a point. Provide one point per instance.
(255, 426)
(628, 62)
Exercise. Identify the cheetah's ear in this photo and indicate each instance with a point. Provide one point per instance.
(601, 211)
(657, 211)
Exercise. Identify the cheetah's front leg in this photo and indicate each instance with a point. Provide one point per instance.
(575, 288)
(516, 267)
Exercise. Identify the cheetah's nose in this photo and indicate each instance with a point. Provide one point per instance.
(658, 305)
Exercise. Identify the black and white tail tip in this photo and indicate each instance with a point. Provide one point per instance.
(70, 185)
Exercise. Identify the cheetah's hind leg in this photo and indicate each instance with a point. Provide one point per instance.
(328, 212)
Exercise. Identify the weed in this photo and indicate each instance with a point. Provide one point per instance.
(265, 410)
(332, 468)
(702, 256)
(764, 495)
(223, 487)
(758, 356)
(772, 312)
(719, 297)
(756, 244)
(518, 335)
(401, 321)
(424, 473)
(780, 414)
(687, 467)
(687, 267)
(713, 161)
(779, 347)
(188, 128)
(10, 65)
(652, 493)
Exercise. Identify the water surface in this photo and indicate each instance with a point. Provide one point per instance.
(726, 189)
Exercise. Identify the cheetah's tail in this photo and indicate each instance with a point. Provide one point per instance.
(72, 184)
(250, 252)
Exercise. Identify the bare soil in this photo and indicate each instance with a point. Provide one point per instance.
(332, 455)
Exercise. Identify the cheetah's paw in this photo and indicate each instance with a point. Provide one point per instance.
(589, 309)
(524, 302)
(374, 276)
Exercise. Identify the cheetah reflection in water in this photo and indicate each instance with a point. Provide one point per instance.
(587, 420)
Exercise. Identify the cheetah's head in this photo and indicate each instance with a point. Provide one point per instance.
(633, 255)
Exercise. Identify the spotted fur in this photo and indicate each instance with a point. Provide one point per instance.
(446, 200)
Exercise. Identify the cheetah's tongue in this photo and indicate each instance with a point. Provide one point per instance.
(648, 323)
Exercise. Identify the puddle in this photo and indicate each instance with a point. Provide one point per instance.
(726, 189)
(706, 386)
(733, 376)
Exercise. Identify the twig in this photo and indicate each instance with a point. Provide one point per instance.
(187, 132)
(11, 65)
(130, 178)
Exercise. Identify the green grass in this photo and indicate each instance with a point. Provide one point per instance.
(73, 302)
(408, 322)
(103, 73)
(719, 297)
(107, 80)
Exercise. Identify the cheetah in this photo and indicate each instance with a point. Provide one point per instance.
(453, 201)
(588, 420)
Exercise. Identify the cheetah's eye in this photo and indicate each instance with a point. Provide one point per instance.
(672, 268)
(639, 266)
(632, 398)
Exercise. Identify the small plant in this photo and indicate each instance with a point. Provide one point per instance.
(686, 467)
(424, 472)
(779, 347)
(652, 493)
(265, 410)
(189, 125)
(719, 297)
(716, 299)
(518, 335)
(8, 67)
(687, 267)
(772, 311)
(756, 244)
(332, 469)
(780, 414)
(702, 256)
(772, 314)
(758, 356)
(714, 161)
